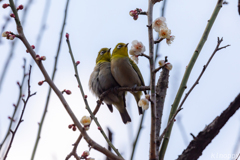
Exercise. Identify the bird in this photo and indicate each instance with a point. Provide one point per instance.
(126, 72)
(102, 80)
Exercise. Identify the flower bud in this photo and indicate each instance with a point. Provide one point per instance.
(169, 66)
(70, 126)
(147, 96)
(5, 34)
(43, 58)
(33, 47)
(86, 120)
(11, 37)
(20, 7)
(161, 63)
(67, 36)
(78, 62)
(85, 154)
(143, 103)
(68, 92)
(5, 5)
(12, 15)
(40, 83)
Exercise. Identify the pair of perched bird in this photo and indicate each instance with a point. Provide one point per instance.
(113, 71)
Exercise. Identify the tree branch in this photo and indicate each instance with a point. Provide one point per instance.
(20, 120)
(16, 106)
(161, 91)
(197, 145)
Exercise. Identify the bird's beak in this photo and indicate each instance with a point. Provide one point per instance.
(109, 49)
(126, 45)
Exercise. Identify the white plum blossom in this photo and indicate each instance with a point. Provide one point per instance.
(164, 33)
(134, 58)
(161, 63)
(86, 120)
(4, 34)
(136, 49)
(159, 23)
(169, 66)
(144, 103)
(170, 40)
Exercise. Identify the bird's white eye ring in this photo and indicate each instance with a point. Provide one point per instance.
(119, 46)
(102, 52)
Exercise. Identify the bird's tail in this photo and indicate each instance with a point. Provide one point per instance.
(125, 116)
(137, 96)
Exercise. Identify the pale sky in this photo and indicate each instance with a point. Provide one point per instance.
(93, 25)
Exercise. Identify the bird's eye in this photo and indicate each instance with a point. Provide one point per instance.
(102, 52)
(119, 46)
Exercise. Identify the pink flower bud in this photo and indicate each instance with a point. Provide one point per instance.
(27, 51)
(131, 13)
(5, 5)
(85, 96)
(14, 105)
(11, 37)
(74, 128)
(67, 36)
(20, 7)
(18, 83)
(33, 47)
(37, 57)
(12, 15)
(135, 17)
(68, 92)
(70, 126)
(99, 128)
(43, 58)
(78, 62)
(40, 83)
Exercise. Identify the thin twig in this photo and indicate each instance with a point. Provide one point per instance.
(144, 55)
(86, 102)
(203, 70)
(50, 90)
(21, 117)
(17, 104)
(187, 73)
(74, 150)
(158, 41)
(167, 127)
(137, 137)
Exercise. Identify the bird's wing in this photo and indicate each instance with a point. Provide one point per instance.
(135, 67)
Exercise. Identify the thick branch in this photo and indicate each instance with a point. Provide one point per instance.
(161, 91)
(197, 145)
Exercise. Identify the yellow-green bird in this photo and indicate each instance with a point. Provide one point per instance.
(125, 71)
(101, 80)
